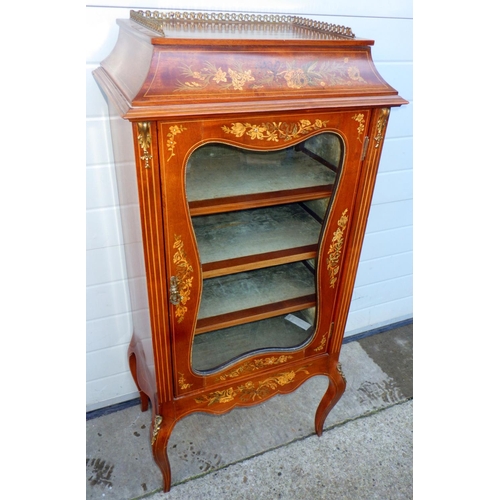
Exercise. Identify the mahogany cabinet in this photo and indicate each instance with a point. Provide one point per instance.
(246, 151)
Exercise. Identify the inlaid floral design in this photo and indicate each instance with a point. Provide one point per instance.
(174, 130)
(184, 278)
(322, 344)
(256, 364)
(251, 391)
(292, 75)
(183, 385)
(336, 248)
(296, 78)
(274, 131)
(360, 118)
(239, 78)
(210, 75)
(218, 397)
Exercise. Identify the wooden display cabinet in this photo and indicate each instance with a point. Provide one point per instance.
(256, 142)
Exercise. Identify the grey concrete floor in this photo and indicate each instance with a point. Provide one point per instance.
(270, 450)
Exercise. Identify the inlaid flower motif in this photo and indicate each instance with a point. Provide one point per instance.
(285, 378)
(249, 391)
(227, 395)
(274, 131)
(220, 76)
(239, 78)
(316, 74)
(257, 132)
(256, 364)
(342, 222)
(238, 129)
(296, 79)
(335, 249)
(360, 118)
(184, 278)
(183, 385)
(218, 397)
(174, 130)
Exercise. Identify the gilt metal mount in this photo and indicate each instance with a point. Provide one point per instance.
(160, 21)
(144, 139)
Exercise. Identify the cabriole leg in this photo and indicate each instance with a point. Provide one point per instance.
(132, 361)
(336, 388)
(162, 428)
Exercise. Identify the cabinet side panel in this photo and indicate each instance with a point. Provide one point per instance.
(129, 48)
(376, 136)
(133, 244)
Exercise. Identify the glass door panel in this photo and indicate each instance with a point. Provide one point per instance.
(257, 218)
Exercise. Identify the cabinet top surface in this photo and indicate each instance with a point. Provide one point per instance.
(240, 28)
(172, 64)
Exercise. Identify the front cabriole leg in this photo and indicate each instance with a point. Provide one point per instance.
(161, 430)
(336, 388)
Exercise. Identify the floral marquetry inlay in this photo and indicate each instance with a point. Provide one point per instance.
(274, 131)
(184, 270)
(322, 344)
(256, 364)
(311, 75)
(183, 385)
(251, 391)
(360, 118)
(335, 249)
(174, 130)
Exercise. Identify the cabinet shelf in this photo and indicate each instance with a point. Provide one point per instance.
(242, 179)
(245, 297)
(233, 203)
(252, 239)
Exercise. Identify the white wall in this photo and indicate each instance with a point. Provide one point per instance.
(383, 291)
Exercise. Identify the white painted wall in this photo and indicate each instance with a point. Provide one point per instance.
(383, 291)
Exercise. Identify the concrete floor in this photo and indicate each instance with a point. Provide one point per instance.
(271, 451)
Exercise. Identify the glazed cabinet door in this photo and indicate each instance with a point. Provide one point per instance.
(256, 214)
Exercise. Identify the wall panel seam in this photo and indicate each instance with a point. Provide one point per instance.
(386, 256)
(121, 345)
(360, 287)
(388, 302)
